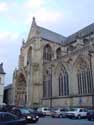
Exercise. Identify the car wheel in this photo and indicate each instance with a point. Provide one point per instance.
(53, 117)
(79, 116)
(71, 117)
(89, 119)
(60, 116)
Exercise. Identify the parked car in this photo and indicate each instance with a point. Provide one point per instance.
(10, 119)
(45, 110)
(34, 111)
(24, 112)
(2, 106)
(7, 108)
(77, 113)
(90, 114)
(59, 112)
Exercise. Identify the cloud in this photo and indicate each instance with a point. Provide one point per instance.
(33, 4)
(8, 36)
(48, 16)
(45, 16)
(3, 6)
(20, 14)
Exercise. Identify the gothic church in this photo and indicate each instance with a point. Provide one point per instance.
(55, 70)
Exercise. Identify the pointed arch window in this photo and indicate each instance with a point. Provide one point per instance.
(47, 85)
(0, 80)
(58, 53)
(63, 82)
(47, 53)
(29, 56)
(84, 78)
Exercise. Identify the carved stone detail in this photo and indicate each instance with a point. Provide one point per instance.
(35, 66)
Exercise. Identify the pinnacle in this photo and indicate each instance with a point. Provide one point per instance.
(33, 22)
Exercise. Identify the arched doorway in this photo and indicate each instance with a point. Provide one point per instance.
(21, 95)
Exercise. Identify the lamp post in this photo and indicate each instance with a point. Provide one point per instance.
(92, 82)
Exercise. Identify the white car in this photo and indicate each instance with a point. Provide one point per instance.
(59, 113)
(44, 110)
(77, 113)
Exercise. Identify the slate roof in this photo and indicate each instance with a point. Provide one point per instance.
(1, 69)
(50, 35)
(55, 37)
(81, 33)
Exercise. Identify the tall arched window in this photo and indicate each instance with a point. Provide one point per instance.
(58, 53)
(84, 78)
(63, 82)
(47, 85)
(0, 80)
(47, 53)
(29, 56)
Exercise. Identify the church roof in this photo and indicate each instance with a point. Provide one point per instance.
(50, 35)
(57, 38)
(1, 69)
(45, 33)
(81, 33)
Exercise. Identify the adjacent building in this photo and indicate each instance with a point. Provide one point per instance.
(7, 98)
(55, 70)
(2, 78)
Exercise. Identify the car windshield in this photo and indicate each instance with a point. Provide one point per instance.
(31, 110)
(39, 109)
(25, 111)
(73, 109)
(55, 109)
(15, 116)
(91, 110)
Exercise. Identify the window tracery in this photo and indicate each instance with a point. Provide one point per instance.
(47, 84)
(47, 53)
(84, 78)
(58, 53)
(63, 82)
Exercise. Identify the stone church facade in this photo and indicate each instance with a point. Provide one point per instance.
(55, 70)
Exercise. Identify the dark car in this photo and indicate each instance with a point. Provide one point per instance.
(7, 108)
(34, 111)
(24, 112)
(90, 114)
(10, 119)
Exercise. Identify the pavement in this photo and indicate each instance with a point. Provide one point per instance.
(62, 121)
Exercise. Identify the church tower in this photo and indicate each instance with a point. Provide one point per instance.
(36, 50)
(34, 64)
(28, 77)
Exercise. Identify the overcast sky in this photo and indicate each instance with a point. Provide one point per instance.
(62, 16)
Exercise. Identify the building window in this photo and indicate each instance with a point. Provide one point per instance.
(84, 78)
(0, 80)
(47, 53)
(85, 41)
(44, 89)
(47, 85)
(63, 83)
(29, 56)
(58, 53)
